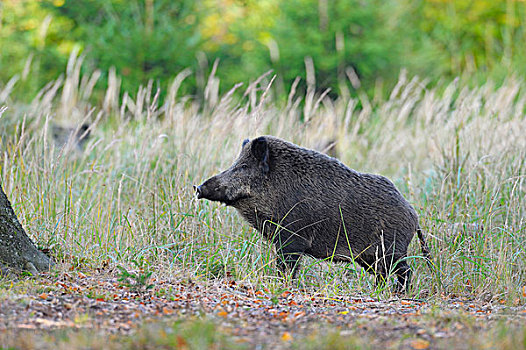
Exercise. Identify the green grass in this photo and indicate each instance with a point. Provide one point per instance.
(458, 156)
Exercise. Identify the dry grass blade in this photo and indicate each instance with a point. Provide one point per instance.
(458, 155)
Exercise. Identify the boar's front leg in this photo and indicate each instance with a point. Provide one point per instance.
(288, 262)
(289, 252)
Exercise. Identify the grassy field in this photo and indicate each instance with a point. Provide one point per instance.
(125, 200)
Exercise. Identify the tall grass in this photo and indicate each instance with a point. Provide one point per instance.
(457, 154)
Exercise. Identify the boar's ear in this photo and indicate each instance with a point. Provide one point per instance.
(245, 141)
(259, 150)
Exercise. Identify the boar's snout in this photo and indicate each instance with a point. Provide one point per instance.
(211, 190)
(197, 190)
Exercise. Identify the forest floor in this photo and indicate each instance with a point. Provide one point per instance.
(101, 309)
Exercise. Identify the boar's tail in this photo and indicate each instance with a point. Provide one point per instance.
(425, 248)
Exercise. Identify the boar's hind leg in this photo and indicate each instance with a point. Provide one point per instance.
(371, 265)
(403, 273)
(395, 266)
(378, 269)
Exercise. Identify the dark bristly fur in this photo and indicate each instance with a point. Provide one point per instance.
(308, 203)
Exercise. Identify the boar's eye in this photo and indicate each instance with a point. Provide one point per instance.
(245, 141)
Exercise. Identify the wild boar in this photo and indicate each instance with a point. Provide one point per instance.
(76, 138)
(306, 202)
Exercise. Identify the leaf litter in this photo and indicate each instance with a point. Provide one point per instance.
(100, 301)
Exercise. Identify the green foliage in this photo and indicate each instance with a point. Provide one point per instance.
(143, 39)
(156, 39)
(30, 53)
(338, 35)
(484, 38)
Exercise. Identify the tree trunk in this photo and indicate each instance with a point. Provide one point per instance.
(17, 251)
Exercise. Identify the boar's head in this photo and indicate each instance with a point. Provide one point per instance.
(243, 179)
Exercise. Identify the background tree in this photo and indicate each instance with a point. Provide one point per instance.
(143, 40)
(474, 39)
(337, 35)
(156, 39)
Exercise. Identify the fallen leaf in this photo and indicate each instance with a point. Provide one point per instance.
(181, 342)
(222, 313)
(286, 336)
(63, 285)
(26, 326)
(419, 344)
(43, 296)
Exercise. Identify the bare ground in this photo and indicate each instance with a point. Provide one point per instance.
(98, 301)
